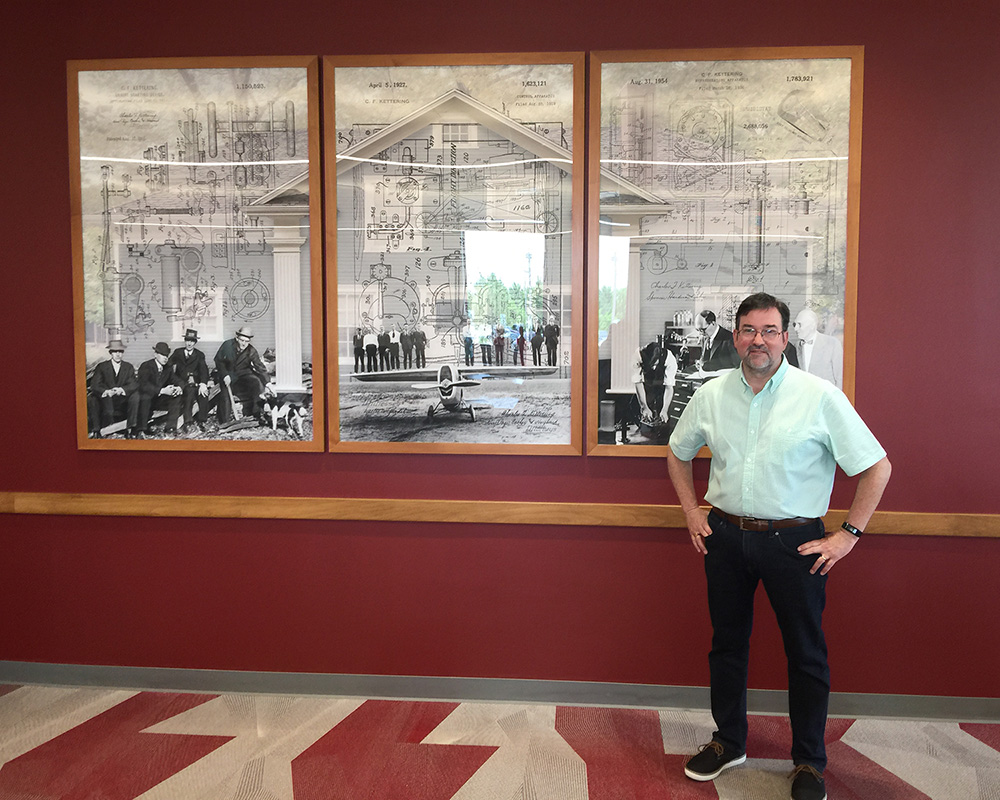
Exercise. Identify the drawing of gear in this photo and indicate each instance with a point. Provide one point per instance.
(135, 318)
(701, 132)
(658, 258)
(653, 258)
(407, 191)
(249, 299)
(389, 302)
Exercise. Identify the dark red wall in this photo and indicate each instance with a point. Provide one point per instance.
(906, 614)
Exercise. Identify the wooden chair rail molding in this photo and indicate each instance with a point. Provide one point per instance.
(625, 515)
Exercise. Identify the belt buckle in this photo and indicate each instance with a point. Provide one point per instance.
(750, 522)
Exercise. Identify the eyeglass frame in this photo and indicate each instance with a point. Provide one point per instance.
(750, 333)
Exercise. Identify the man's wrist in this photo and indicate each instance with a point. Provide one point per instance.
(847, 526)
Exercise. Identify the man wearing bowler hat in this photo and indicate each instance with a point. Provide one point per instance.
(114, 392)
(189, 365)
(159, 388)
(241, 371)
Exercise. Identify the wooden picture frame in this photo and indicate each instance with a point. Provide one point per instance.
(714, 174)
(454, 201)
(195, 196)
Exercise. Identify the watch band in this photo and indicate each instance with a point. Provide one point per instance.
(847, 526)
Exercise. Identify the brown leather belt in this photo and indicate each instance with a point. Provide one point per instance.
(754, 524)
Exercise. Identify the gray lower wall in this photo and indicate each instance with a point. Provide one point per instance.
(760, 701)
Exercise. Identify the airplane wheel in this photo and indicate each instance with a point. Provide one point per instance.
(430, 411)
(472, 413)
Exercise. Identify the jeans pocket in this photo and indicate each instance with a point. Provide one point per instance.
(790, 539)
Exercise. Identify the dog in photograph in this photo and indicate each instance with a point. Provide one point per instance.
(289, 413)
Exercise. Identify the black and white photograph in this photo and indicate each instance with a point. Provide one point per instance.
(719, 178)
(199, 318)
(456, 265)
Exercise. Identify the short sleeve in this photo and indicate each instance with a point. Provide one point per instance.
(688, 436)
(853, 446)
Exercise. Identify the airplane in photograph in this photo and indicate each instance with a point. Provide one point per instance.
(450, 387)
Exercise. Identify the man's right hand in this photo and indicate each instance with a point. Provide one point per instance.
(698, 527)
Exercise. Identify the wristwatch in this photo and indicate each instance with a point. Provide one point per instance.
(847, 526)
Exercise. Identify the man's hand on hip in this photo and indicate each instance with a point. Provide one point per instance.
(830, 549)
(698, 527)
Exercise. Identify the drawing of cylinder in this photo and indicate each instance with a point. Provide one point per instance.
(756, 226)
(112, 302)
(290, 128)
(454, 263)
(170, 276)
(213, 138)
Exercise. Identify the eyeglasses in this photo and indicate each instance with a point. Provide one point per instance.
(768, 334)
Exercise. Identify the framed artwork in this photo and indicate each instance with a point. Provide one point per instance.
(197, 280)
(454, 252)
(715, 174)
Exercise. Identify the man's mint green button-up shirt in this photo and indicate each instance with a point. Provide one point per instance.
(774, 454)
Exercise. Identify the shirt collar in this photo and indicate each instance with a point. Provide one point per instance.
(774, 381)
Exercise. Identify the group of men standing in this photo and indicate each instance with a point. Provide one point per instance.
(380, 352)
(384, 351)
(176, 382)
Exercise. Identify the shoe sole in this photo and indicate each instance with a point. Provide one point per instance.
(711, 776)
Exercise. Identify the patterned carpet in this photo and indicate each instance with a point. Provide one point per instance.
(101, 744)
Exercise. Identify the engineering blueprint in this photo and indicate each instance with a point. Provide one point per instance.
(730, 177)
(180, 170)
(428, 158)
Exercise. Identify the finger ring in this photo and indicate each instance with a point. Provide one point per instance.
(825, 558)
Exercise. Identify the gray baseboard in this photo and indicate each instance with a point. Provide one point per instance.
(486, 690)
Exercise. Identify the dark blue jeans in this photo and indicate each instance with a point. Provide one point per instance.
(737, 561)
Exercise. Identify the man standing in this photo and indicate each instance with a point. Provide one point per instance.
(819, 353)
(371, 351)
(159, 388)
(499, 344)
(383, 351)
(242, 372)
(470, 349)
(486, 348)
(394, 349)
(551, 334)
(718, 351)
(114, 389)
(420, 345)
(359, 351)
(536, 346)
(776, 435)
(189, 365)
(406, 345)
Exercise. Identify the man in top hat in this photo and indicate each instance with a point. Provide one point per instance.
(189, 365)
(242, 372)
(159, 388)
(114, 392)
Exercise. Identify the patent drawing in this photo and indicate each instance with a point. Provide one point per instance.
(721, 178)
(454, 214)
(194, 199)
